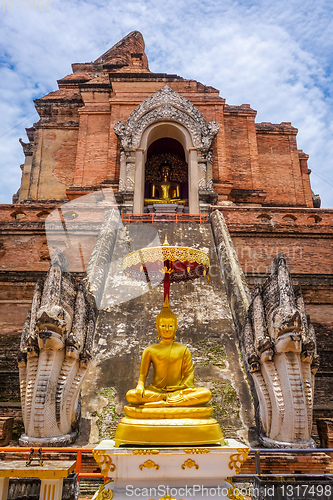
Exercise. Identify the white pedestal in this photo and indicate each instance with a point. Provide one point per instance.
(166, 208)
(180, 473)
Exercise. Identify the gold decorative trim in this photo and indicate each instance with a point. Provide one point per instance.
(166, 270)
(190, 463)
(231, 491)
(199, 412)
(104, 494)
(169, 421)
(237, 459)
(196, 451)
(154, 254)
(145, 452)
(232, 495)
(104, 461)
(149, 464)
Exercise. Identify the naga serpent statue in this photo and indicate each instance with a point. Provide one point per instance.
(55, 349)
(280, 345)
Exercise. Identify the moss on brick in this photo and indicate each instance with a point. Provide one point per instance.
(226, 407)
(108, 419)
(209, 352)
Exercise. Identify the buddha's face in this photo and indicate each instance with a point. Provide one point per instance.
(166, 328)
(165, 171)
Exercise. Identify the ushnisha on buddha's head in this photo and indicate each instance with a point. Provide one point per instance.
(166, 323)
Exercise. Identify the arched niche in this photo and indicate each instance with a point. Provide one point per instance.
(165, 114)
(167, 129)
(153, 133)
(165, 149)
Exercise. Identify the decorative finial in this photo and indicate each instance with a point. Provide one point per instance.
(166, 302)
(166, 243)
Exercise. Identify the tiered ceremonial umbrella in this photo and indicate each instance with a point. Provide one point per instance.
(175, 263)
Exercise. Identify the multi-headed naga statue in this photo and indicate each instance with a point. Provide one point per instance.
(280, 345)
(55, 348)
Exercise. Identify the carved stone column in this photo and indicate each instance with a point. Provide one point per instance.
(139, 182)
(193, 191)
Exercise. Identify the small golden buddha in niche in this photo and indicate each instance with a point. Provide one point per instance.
(173, 381)
(165, 191)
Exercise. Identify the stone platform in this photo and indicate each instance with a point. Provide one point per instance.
(157, 472)
(166, 208)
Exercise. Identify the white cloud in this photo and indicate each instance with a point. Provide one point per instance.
(275, 56)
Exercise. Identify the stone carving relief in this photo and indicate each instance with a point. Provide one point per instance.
(55, 350)
(130, 173)
(166, 104)
(202, 176)
(122, 180)
(280, 345)
(205, 177)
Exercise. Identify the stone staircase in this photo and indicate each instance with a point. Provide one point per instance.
(89, 486)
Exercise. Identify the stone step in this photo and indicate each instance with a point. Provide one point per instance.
(88, 487)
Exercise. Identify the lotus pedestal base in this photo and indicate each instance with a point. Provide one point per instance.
(174, 426)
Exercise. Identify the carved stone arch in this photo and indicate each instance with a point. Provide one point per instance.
(166, 105)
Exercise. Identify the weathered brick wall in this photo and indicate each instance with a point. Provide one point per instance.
(304, 235)
(305, 254)
(51, 150)
(92, 157)
(237, 150)
(280, 168)
(15, 299)
(323, 397)
(53, 164)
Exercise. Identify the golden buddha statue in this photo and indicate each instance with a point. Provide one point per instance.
(173, 382)
(171, 410)
(165, 191)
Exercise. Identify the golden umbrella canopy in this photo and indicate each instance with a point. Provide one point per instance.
(175, 263)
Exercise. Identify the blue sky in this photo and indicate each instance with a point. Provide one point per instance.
(276, 56)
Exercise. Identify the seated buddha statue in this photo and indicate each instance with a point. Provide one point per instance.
(165, 191)
(173, 380)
